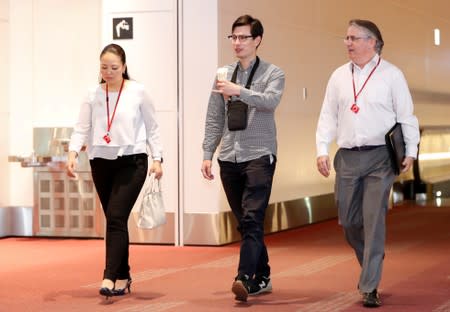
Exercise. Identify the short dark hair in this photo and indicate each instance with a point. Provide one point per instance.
(120, 52)
(256, 28)
(372, 30)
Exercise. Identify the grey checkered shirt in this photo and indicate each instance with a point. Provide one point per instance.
(259, 138)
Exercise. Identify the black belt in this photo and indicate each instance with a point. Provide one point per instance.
(363, 148)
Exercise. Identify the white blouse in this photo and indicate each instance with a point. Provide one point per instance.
(133, 127)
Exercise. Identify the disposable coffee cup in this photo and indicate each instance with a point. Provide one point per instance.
(222, 73)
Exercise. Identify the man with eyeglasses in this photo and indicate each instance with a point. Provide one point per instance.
(363, 100)
(241, 115)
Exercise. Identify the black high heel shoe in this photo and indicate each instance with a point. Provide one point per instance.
(105, 290)
(122, 291)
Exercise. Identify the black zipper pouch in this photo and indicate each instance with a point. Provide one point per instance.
(237, 115)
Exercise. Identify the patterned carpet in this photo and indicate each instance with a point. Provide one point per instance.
(312, 270)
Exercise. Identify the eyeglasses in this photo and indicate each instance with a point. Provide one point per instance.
(354, 38)
(242, 38)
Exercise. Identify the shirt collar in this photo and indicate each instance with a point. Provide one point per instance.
(252, 63)
(372, 63)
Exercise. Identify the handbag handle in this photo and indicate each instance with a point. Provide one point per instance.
(154, 184)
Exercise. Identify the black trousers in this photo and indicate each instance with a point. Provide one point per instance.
(248, 186)
(118, 183)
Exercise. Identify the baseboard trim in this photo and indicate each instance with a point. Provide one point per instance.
(211, 229)
(220, 228)
(16, 221)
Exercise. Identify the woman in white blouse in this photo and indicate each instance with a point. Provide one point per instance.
(116, 123)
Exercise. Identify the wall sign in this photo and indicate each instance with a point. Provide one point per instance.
(122, 28)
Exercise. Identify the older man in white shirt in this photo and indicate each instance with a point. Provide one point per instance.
(364, 99)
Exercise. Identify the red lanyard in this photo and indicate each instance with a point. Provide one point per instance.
(355, 107)
(109, 122)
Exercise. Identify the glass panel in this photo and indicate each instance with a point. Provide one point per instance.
(73, 204)
(45, 203)
(74, 222)
(73, 186)
(58, 203)
(45, 221)
(434, 154)
(59, 186)
(88, 222)
(88, 186)
(45, 186)
(59, 221)
(88, 204)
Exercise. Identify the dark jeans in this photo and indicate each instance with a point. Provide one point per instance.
(248, 186)
(118, 183)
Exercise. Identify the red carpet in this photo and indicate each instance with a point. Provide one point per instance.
(312, 270)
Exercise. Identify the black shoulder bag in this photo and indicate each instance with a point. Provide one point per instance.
(237, 110)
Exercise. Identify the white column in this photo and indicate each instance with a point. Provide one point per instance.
(152, 60)
(199, 61)
(21, 100)
(4, 100)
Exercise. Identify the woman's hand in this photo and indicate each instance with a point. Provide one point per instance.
(156, 169)
(71, 164)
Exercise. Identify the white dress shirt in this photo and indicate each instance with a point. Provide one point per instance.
(384, 101)
(132, 129)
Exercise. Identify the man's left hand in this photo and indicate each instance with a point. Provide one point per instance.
(407, 164)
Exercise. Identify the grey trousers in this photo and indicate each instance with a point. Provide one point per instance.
(363, 183)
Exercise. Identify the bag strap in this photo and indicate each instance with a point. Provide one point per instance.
(154, 184)
(252, 73)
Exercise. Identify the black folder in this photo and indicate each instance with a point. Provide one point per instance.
(396, 146)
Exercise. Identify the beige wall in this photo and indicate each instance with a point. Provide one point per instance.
(304, 37)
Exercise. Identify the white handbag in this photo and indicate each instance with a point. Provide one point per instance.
(152, 212)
